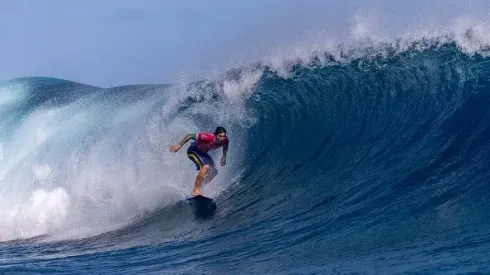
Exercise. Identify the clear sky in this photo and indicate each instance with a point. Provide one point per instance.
(116, 42)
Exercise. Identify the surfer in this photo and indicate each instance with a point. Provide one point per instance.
(198, 153)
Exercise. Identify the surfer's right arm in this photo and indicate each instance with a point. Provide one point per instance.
(175, 148)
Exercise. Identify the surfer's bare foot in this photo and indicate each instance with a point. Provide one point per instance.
(196, 192)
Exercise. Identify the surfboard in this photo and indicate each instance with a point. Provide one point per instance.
(204, 207)
(199, 198)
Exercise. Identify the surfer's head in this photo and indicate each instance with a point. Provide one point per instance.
(220, 133)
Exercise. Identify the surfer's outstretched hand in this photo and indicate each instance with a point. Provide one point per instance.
(174, 148)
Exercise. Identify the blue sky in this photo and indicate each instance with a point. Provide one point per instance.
(117, 42)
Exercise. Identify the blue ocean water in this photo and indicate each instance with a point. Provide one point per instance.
(375, 163)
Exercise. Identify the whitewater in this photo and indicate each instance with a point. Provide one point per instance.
(365, 157)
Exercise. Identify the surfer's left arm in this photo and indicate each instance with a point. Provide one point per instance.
(175, 148)
(223, 158)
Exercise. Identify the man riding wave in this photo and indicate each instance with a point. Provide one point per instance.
(198, 153)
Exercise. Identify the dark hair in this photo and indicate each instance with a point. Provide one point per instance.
(219, 130)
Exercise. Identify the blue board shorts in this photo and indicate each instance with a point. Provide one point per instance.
(200, 158)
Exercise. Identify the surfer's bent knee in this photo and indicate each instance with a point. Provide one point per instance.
(203, 171)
